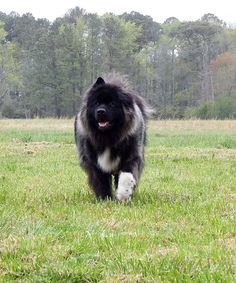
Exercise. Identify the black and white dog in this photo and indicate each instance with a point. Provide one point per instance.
(110, 132)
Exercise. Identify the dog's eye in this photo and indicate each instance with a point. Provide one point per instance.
(112, 104)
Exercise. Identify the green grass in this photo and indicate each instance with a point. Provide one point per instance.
(179, 227)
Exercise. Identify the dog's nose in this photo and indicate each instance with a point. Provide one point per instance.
(101, 111)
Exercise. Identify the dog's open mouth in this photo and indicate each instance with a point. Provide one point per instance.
(103, 124)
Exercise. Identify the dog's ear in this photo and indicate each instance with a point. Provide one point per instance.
(99, 81)
(127, 99)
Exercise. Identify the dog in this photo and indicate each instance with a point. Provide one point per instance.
(110, 134)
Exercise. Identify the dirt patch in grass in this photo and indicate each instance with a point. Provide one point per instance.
(228, 241)
(167, 250)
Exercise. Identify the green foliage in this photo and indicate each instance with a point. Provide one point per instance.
(205, 110)
(3, 33)
(8, 68)
(119, 39)
(8, 111)
(222, 108)
(46, 67)
(149, 30)
(225, 107)
(180, 103)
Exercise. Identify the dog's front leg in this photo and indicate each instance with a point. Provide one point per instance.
(100, 183)
(128, 178)
(126, 184)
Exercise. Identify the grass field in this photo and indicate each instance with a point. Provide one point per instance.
(179, 227)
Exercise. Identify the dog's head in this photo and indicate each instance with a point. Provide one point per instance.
(107, 106)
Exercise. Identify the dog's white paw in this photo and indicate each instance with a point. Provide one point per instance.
(126, 184)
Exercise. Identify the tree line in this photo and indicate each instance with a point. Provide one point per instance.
(182, 69)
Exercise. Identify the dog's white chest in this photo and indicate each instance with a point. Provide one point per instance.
(106, 163)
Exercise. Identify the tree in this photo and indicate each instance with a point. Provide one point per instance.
(71, 56)
(224, 74)
(150, 31)
(119, 39)
(196, 42)
(8, 68)
(177, 66)
(94, 46)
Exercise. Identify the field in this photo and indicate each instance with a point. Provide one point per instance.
(179, 227)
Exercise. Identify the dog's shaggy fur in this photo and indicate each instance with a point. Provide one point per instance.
(110, 132)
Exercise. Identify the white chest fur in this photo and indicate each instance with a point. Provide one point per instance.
(106, 163)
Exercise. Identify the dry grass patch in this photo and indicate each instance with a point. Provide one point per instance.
(37, 124)
(193, 124)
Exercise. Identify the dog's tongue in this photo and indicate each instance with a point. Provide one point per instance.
(103, 124)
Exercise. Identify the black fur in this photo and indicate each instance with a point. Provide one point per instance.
(111, 118)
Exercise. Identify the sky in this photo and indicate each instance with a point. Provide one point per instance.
(184, 10)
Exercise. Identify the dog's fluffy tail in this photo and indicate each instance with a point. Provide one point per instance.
(147, 111)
